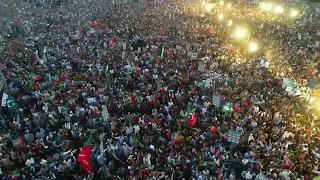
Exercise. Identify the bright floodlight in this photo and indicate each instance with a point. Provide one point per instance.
(221, 3)
(266, 6)
(229, 5)
(203, 2)
(253, 47)
(240, 33)
(263, 5)
(230, 23)
(220, 17)
(208, 7)
(294, 13)
(279, 9)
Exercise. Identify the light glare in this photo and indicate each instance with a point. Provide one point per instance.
(266, 6)
(220, 17)
(294, 13)
(253, 47)
(279, 9)
(240, 33)
(208, 7)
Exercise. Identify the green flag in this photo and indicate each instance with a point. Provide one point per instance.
(32, 85)
(9, 102)
(15, 174)
(190, 116)
(84, 157)
(133, 68)
(189, 112)
(227, 108)
(317, 55)
(53, 95)
(162, 52)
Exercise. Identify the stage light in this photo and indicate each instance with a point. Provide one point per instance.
(278, 9)
(294, 13)
(266, 6)
(241, 33)
(220, 17)
(253, 47)
(230, 23)
(208, 8)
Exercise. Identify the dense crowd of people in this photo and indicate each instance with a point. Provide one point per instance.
(154, 90)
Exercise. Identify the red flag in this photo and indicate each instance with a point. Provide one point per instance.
(115, 66)
(213, 130)
(190, 116)
(237, 109)
(35, 77)
(192, 120)
(95, 24)
(85, 155)
(112, 42)
(11, 50)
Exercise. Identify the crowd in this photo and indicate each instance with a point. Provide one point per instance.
(152, 90)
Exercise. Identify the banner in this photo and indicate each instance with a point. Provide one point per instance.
(8, 101)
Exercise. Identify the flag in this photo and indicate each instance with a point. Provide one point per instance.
(287, 162)
(68, 66)
(17, 142)
(85, 155)
(190, 117)
(73, 83)
(162, 52)
(15, 175)
(261, 176)
(133, 68)
(132, 95)
(11, 50)
(95, 24)
(317, 55)
(318, 32)
(192, 88)
(35, 77)
(172, 77)
(9, 102)
(53, 95)
(312, 83)
(32, 85)
(227, 108)
(112, 42)
(178, 138)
